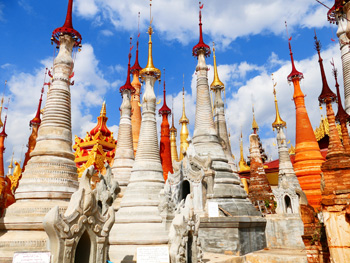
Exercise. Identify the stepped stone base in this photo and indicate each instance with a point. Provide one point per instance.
(238, 235)
(21, 228)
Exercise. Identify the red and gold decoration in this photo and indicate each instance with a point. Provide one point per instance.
(96, 148)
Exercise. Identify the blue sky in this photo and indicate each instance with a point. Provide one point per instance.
(251, 43)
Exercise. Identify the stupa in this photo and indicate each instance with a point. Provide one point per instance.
(335, 181)
(173, 134)
(165, 148)
(50, 176)
(184, 133)
(138, 221)
(308, 158)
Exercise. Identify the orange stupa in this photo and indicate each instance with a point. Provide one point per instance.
(135, 100)
(308, 158)
(165, 149)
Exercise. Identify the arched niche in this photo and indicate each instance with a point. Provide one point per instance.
(288, 205)
(185, 189)
(83, 250)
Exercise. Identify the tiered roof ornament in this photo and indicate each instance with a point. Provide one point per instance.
(67, 29)
(201, 45)
(97, 147)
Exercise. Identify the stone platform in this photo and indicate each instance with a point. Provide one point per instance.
(238, 235)
(262, 256)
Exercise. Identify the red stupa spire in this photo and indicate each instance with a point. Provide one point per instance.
(326, 94)
(136, 66)
(338, 5)
(165, 148)
(295, 73)
(341, 116)
(201, 44)
(127, 84)
(3, 133)
(67, 28)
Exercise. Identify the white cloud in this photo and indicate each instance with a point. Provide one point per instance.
(107, 32)
(223, 20)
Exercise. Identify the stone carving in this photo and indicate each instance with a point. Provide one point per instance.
(81, 234)
(184, 243)
(193, 174)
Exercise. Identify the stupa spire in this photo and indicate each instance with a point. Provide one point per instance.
(219, 115)
(34, 124)
(342, 117)
(173, 134)
(295, 73)
(67, 28)
(165, 148)
(124, 155)
(139, 213)
(327, 96)
(135, 97)
(10, 165)
(201, 45)
(184, 121)
(242, 163)
(308, 158)
(216, 82)
(278, 123)
(255, 126)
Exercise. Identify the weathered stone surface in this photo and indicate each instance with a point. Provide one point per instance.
(237, 235)
(284, 231)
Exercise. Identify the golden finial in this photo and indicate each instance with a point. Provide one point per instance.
(255, 126)
(183, 119)
(150, 69)
(2, 103)
(11, 163)
(216, 82)
(103, 110)
(278, 123)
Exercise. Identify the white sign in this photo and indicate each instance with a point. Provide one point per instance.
(153, 254)
(31, 257)
(213, 209)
